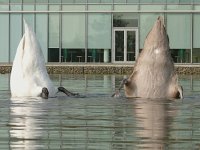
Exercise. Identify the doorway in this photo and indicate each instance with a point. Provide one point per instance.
(125, 44)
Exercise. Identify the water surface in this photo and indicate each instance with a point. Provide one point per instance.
(99, 122)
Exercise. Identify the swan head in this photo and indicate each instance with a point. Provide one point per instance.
(45, 93)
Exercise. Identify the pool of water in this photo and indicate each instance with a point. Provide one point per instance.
(98, 121)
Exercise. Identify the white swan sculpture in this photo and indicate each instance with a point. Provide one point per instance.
(29, 77)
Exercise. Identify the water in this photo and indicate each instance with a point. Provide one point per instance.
(99, 122)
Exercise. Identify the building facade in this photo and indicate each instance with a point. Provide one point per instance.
(106, 31)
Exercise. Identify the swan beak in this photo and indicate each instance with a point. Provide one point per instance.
(45, 93)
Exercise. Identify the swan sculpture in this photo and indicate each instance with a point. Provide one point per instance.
(29, 77)
(154, 75)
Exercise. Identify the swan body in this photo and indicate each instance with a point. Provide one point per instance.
(154, 74)
(29, 75)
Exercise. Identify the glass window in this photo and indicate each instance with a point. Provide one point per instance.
(152, 1)
(99, 55)
(28, 1)
(72, 55)
(100, 7)
(15, 30)
(73, 7)
(196, 1)
(29, 17)
(73, 34)
(41, 1)
(99, 31)
(196, 31)
(53, 51)
(4, 1)
(125, 20)
(196, 55)
(178, 28)
(126, 7)
(172, 1)
(4, 35)
(54, 27)
(132, 1)
(99, 37)
(73, 30)
(53, 1)
(119, 45)
(179, 31)
(67, 1)
(119, 1)
(15, 1)
(181, 55)
(41, 29)
(152, 7)
(147, 21)
(53, 55)
(179, 7)
(159, 1)
(130, 44)
(106, 1)
(186, 1)
(80, 1)
(94, 1)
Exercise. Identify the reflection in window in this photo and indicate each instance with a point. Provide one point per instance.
(53, 55)
(131, 45)
(119, 45)
(196, 55)
(172, 1)
(80, 1)
(125, 20)
(153, 1)
(132, 1)
(28, 1)
(73, 30)
(72, 55)
(179, 30)
(119, 1)
(180, 55)
(99, 38)
(106, 1)
(94, 1)
(99, 55)
(53, 28)
(99, 31)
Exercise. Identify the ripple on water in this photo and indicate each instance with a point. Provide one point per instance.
(99, 121)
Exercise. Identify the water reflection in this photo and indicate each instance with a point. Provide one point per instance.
(154, 118)
(99, 121)
(24, 128)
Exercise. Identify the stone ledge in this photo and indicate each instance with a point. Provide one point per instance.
(100, 69)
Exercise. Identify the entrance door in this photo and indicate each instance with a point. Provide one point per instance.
(125, 44)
